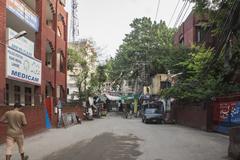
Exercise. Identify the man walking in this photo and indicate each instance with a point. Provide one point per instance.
(15, 121)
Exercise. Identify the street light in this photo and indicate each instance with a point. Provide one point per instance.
(176, 74)
(19, 35)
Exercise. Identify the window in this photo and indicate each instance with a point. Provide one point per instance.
(48, 89)
(58, 91)
(7, 94)
(200, 34)
(181, 39)
(61, 26)
(49, 54)
(60, 63)
(48, 59)
(59, 32)
(67, 90)
(28, 96)
(49, 14)
(165, 84)
(17, 94)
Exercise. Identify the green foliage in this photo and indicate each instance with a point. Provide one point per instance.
(196, 84)
(147, 43)
(97, 79)
(151, 44)
(217, 12)
(73, 58)
(80, 62)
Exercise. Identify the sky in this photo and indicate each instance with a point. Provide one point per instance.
(107, 21)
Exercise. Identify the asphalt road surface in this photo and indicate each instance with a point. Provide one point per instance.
(115, 138)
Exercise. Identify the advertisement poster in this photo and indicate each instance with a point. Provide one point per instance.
(23, 45)
(22, 67)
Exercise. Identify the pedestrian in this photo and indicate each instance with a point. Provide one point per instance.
(15, 121)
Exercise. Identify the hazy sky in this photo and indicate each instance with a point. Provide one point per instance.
(107, 21)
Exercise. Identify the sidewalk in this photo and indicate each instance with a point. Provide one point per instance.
(52, 140)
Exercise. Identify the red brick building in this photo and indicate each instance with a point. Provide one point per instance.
(46, 26)
(32, 67)
(194, 30)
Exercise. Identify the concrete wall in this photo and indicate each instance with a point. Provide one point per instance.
(156, 82)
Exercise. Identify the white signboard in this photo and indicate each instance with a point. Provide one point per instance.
(23, 68)
(21, 10)
(22, 44)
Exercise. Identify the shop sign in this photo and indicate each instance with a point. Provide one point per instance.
(22, 44)
(22, 67)
(21, 11)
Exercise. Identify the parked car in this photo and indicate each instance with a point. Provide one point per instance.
(153, 104)
(154, 115)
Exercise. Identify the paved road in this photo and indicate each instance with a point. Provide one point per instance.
(129, 139)
(115, 138)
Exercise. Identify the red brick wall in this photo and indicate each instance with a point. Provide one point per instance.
(188, 29)
(2, 49)
(35, 118)
(192, 115)
(49, 34)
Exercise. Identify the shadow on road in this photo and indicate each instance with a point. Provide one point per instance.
(106, 146)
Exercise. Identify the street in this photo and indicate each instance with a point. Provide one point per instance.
(115, 138)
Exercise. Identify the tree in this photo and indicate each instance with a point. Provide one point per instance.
(224, 26)
(195, 85)
(81, 62)
(143, 49)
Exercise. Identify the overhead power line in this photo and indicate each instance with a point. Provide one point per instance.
(189, 4)
(174, 13)
(180, 13)
(157, 10)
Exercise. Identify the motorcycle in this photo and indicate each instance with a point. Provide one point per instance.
(88, 114)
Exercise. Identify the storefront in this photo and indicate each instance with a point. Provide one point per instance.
(23, 71)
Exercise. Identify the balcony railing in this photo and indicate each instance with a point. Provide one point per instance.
(25, 13)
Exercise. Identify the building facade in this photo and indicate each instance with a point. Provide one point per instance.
(33, 67)
(84, 71)
(193, 31)
(162, 81)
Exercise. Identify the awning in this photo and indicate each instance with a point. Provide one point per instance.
(113, 98)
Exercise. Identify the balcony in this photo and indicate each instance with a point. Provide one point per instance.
(31, 4)
(24, 12)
